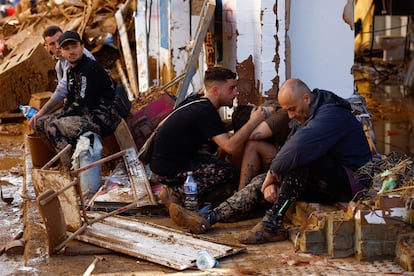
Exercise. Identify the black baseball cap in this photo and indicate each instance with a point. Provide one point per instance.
(69, 36)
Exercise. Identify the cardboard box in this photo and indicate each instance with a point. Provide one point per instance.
(38, 100)
(23, 75)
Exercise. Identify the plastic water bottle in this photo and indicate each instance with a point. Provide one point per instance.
(28, 111)
(190, 190)
(205, 260)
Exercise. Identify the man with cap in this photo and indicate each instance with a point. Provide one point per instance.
(50, 36)
(89, 105)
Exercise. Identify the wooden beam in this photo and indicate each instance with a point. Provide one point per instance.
(126, 49)
(203, 24)
(141, 39)
(124, 80)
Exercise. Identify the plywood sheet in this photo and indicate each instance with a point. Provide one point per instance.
(152, 242)
(136, 171)
(44, 179)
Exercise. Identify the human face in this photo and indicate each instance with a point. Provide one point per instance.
(297, 106)
(72, 51)
(227, 92)
(52, 45)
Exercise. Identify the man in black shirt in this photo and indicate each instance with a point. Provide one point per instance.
(89, 104)
(180, 139)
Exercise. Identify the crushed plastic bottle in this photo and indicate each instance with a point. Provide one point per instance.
(206, 260)
(28, 111)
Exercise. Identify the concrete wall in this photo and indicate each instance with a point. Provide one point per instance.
(321, 45)
(256, 28)
(317, 47)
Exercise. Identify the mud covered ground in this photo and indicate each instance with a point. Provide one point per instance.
(11, 179)
(266, 259)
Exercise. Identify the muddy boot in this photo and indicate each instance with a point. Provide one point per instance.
(192, 221)
(168, 196)
(270, 229)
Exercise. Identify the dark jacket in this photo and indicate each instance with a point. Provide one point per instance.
(331, 129)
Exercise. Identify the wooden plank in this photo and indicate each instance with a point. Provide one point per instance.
(141, 39)
(136, 171)
(124, 80)
(152, 242)
(126, 49)
(205, 18)
(47, 179)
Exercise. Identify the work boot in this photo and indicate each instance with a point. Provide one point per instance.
(192, 221)
(270, 229)
(168, 196)
(262, 234)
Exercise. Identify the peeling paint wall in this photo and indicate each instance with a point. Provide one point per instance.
(229, 29)
(268, 66)
(154, 41)
(277, 39)
(180, 34)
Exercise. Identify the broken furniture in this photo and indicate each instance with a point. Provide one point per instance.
(152, 242)
(24, 74)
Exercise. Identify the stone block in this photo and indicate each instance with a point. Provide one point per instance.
(340, 235)
(385, 201)
(309, 241)
(374, 250)
(24, 74)
(382, 232)
(404, 252)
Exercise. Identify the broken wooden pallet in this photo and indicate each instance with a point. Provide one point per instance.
(152, 242)
(136, 171)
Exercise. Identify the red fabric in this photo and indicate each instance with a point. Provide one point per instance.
(10, 11)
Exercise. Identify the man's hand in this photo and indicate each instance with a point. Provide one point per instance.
(270, 179)
(258, 114)
(271, 193)
(32, 122)
(270, 187)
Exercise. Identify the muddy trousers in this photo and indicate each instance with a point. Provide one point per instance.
(61, 131)
(323, 181)
(210, 173)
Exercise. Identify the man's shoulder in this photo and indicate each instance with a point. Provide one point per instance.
(88, 54)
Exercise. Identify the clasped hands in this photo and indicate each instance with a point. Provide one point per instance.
(271, 187)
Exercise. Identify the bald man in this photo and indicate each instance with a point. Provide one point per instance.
(316, 164)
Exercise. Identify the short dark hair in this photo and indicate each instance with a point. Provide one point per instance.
(218, 73)
(51, 31)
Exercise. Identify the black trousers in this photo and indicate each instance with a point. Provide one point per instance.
(324, 181)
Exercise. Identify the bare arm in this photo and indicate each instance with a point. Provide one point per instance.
(235, 142)
(262, 131)
(50, 106)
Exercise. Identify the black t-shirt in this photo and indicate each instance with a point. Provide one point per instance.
(180, 137)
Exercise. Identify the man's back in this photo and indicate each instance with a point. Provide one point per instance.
(331, 129)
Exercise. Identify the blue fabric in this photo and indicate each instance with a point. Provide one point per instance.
(331, 129)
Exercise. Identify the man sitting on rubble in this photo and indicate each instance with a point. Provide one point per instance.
(89, 104)
(317, 163)
(51, 36)
(179, 141)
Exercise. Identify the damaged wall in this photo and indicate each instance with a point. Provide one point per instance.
(322, 45)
